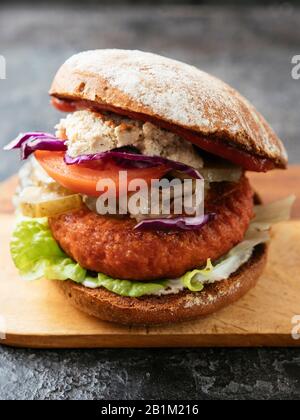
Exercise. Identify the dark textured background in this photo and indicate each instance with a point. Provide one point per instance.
(150, 374)
(251, 48)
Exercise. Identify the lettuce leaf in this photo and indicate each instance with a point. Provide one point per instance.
(269, 214)
(257, 233)
(124, 287)
(240, 254)
(37, 255)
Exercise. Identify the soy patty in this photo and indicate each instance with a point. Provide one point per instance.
(111, 246)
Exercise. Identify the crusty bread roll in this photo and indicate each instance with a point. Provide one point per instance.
(170, 92)
(152, 310)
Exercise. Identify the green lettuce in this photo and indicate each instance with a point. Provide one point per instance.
(37, 255)
(124, 287)
(265, 216)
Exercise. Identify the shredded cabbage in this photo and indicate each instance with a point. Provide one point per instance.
(37, 255)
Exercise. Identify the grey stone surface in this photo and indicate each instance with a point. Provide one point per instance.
(150, 374)
(249, 48)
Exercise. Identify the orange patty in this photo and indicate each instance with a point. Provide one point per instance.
(111, 246)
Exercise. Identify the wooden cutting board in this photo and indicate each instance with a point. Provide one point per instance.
(37, 315)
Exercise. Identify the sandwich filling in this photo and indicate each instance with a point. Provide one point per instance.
(61, 234)
(37, 255)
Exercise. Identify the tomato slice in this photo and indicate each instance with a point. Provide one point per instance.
(83, 178)
(63, 105)
(241, 158)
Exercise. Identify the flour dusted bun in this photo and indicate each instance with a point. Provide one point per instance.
(169, 91)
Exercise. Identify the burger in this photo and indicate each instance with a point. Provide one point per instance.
(136, 122)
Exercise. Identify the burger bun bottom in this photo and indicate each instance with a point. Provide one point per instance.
(155, 310)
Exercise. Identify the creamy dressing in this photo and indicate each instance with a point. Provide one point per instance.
(36, 186)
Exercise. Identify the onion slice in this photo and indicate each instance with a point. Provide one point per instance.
(134, 160)
(177, 223)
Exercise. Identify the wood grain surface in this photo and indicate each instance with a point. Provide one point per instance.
(36, 314)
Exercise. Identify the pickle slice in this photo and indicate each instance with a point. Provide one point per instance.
(50, 206)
